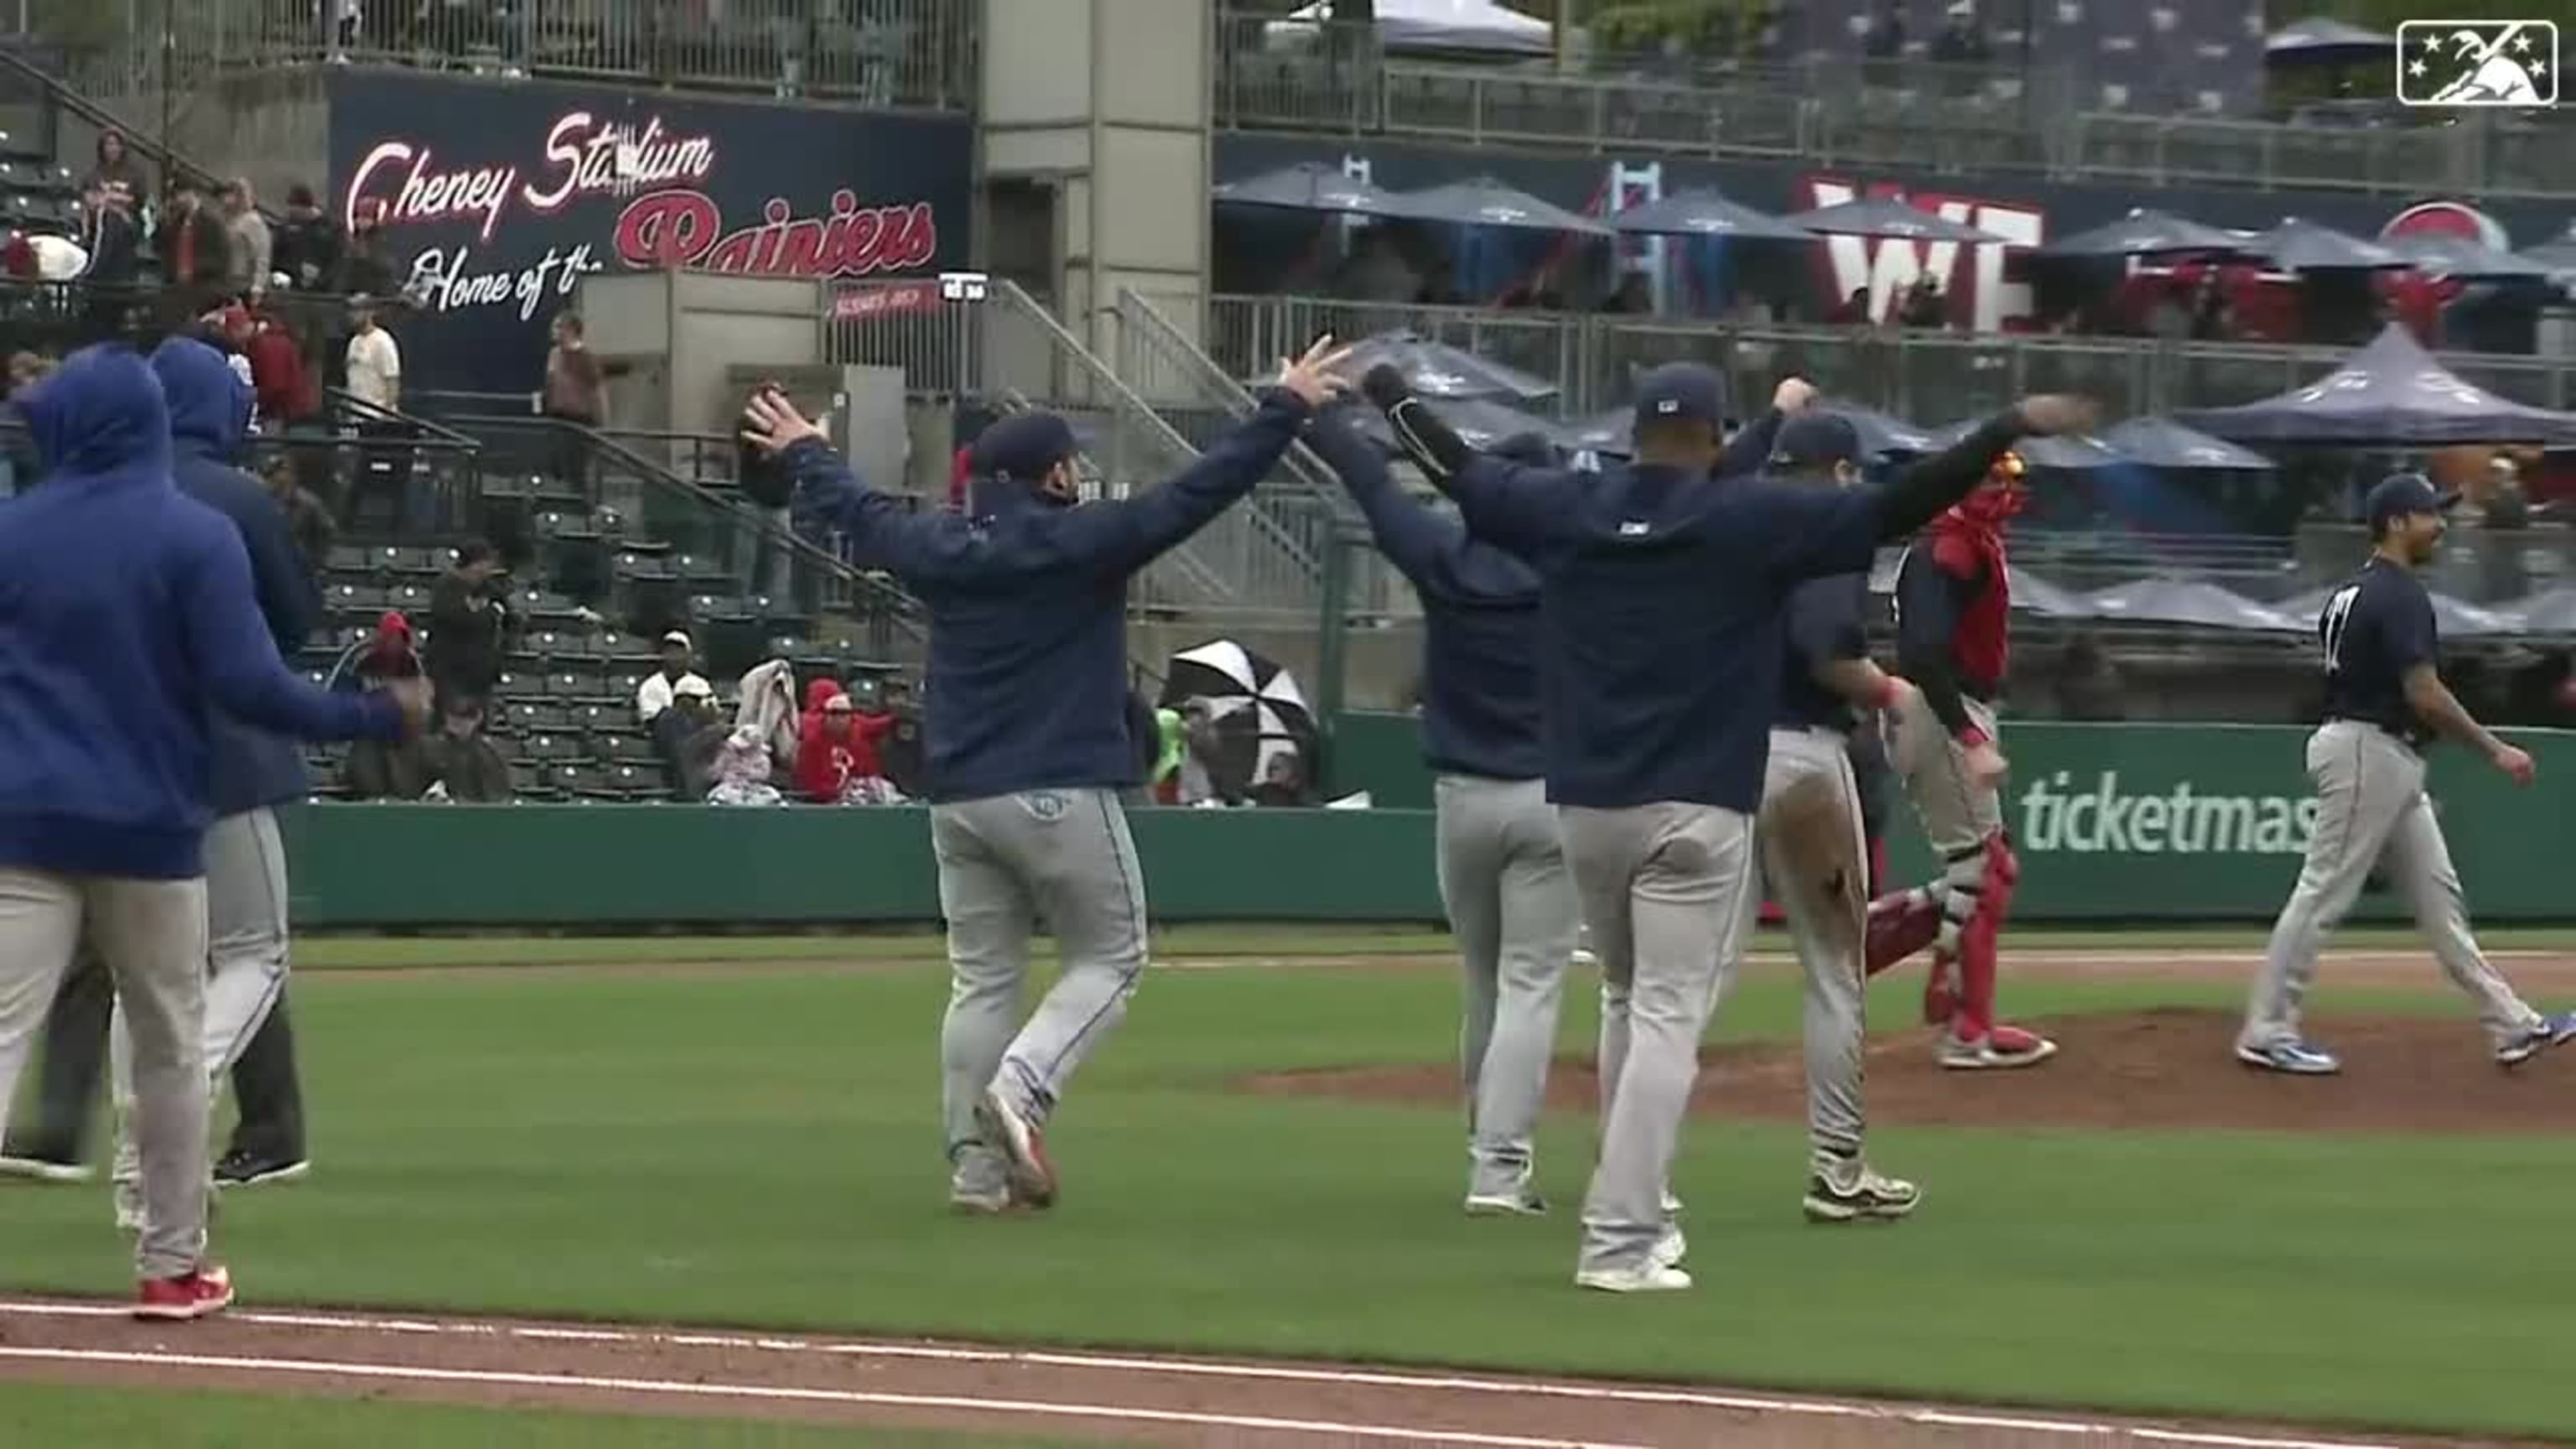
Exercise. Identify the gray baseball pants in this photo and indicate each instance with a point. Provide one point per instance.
(2372, 809)
(1836, 1020)
(246, 934)
(1511, 907)
(1006, 863)
(152, 935)
(1668, 890)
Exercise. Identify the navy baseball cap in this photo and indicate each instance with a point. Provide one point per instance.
(1683, 391)
(1022, 446)
(2400, 494)
(1816, 441)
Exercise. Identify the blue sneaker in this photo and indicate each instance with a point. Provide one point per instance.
(2548, 1032)
(2294, 1057)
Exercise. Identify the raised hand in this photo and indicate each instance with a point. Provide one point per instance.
(1793, 396)
(1312, 377)
(772, 424)
(2050, 415)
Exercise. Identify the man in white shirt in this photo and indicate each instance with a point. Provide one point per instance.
(375, 377)
(675, 677)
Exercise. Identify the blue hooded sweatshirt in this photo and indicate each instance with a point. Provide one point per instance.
(1027, 683)
(210, 410)
(1480, 637)
(126, 611)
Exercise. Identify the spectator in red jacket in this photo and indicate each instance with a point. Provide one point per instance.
(839, 758)
(287, 391)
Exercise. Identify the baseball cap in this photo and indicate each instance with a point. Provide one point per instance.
(2400, 494)
(839, 704)
(679, 638)
(693, 687)
(1023, 446)
(1684, 391)
(1815, 441)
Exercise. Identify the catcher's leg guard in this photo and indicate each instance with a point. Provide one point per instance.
(1898, 926)
(1973, 1016)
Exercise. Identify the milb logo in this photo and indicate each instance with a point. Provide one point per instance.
(2477, 63)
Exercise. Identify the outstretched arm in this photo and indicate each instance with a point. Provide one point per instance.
(1515, 508)
(883, 533)
(1924, 490)
(238, 663)
(1127, 534)
(1421, 544)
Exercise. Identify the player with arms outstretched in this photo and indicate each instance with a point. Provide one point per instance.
(1953, 641)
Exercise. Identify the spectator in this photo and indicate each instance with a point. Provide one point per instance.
(375, 360)
(383, 769)
(576, 392)
(742, 772)
(1962, 41)
(285, 386)
(115, 255)
(309, 244)
(461, 765)
(1924, 306)
(20, 466)
(686, 736)
(902, 754)
(195, 253)
(1283, 782)
(1885, 47)
(1201, 753)
(308, 518)
(366, 268)
(836, 763)
(1166, 774)
(384, 450)
(469, 624)
(247, 245)
(1852, 311)
(657, 691)
(117, 172)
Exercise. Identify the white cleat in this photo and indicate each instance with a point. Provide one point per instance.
(1650, 1278)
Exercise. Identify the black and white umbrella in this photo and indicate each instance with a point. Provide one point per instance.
(1257, 710)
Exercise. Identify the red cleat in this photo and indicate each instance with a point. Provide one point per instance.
(199, 1294)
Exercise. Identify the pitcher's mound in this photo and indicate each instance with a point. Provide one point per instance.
(2170, 1069)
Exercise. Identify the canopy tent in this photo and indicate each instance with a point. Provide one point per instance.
(1891, 219)
(1255, 707)
(2163, 600)
(1438, 370)
(2304, 246)
(1311, 186)
(2390, 392)
(2439, 254)
(2029, 591)
(1702, 212)
(1484, 201)
(2143, 234)
(2163, 443)
(2323, 40)
(1472, 26)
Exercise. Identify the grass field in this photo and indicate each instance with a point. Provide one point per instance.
(761, 1148)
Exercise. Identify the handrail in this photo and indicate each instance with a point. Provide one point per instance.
(377, 412)
(171, 161)
(1134, 307)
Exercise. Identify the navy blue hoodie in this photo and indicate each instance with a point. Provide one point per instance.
(209, 414)
(1480, 710)
(1663, 600)
(126, 609)
(1027, 683)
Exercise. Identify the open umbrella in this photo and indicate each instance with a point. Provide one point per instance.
(1484, 201)
(1311, 186)
(1438, 370)
(1702, 212)
(2163, 443)
(2442, 255)
(2143, 234)
(1254, 705)
(2068, 452)
(2188, 601)
(1880, 434)
(2320, 40)
(1479, 422)
(2304, 246)
(1889, 219)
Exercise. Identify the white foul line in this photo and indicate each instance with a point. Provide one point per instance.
(420, 1374)
(1288, 1373)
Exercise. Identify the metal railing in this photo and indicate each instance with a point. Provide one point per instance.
(1829, 114)
(1006, 351)
(1932, 377)
(881, 54)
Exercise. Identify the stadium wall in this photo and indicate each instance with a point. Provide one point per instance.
(2114, 823)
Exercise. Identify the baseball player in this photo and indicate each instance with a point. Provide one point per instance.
(1027, 737)
(1815, 855)
(129, 610)
(1501, 868)
(1953, 621)
(1662, 585)
(2384, 701)
(253, 771)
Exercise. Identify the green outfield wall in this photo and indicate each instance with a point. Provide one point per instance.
(2114, 823)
